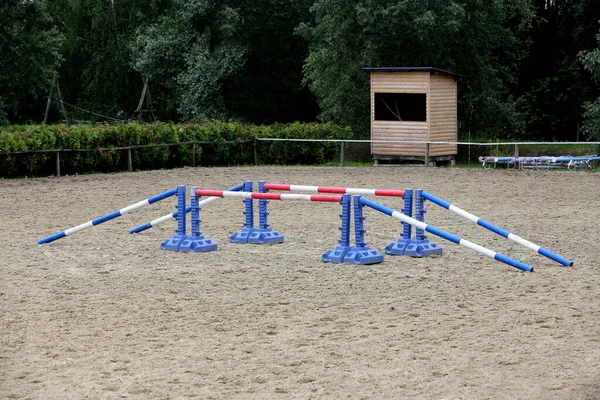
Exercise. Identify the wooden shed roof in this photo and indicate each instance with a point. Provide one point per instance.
(412, 69)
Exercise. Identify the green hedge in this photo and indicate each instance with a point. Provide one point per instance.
(43, 137)
(290, 153)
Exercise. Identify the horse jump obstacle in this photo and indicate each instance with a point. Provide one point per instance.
(443, 234)
(195, 242)
(417, 247)
(360, 253)
(140, 204)
(494, 228)
(175, 214)
(109, 216)
(420, 198)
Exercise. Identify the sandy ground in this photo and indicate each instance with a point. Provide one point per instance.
(103, 314)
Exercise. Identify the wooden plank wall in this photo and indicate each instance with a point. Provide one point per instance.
(442, 115)
(398, 82)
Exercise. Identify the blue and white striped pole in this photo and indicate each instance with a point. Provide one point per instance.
(174, 215)
(108, 217)
(497, 230)
(446, 235)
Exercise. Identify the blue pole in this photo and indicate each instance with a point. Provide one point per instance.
(108, 217)
(497, 230)
(445, 235)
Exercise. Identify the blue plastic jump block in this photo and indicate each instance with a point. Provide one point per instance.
(336, 255)
(241, 236)
(363, 255)
(422, 248)
(197, 244)
(265, 236)
(173, 243)
(398, 248)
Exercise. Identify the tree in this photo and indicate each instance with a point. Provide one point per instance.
(97, 73)
(191, 50)
(591, 62)
(269, 87)
(483, 40)
(229, 59)
(553, 84)
(29, 48)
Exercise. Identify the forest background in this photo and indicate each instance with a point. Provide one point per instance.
(532, 67)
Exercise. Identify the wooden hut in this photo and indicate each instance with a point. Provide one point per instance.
(413, 104)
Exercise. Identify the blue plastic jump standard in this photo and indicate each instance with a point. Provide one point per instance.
(337, 255)
(361, 253)
(173, 243)
(264, 234)
(196, 242)
(421, 247)
(243, 235)
(173, 215)
(398, 248)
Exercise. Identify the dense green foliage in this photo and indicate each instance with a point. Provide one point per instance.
(234, 58)
(42, 137)
(97, 72)
(591, 60)
(286, 153)
(553, 85)
(268, 61)
(480, 39)
(29, 44)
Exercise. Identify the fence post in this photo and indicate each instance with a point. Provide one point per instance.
(194, 155)
(342, 154)
(255, 155)
(58, 163)
(427, 154)
(516, 150)
(129, 161)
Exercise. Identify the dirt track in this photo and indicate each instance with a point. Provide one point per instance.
(105, 314)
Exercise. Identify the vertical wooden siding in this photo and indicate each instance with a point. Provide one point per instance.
(399, 82)
(442, 115)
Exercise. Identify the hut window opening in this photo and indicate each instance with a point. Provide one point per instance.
(400, 107)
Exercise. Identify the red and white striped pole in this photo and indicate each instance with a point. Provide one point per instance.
(331, 189)
(269, 196)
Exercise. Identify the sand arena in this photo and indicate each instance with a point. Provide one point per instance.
(105, 314)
